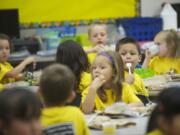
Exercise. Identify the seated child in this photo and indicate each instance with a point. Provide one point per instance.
(129, 50)
(72, 55)
(19, 112)
(168, 58)
(98, 37)
(57, 88)
(8, 74)
(107, 86)
(165, 119)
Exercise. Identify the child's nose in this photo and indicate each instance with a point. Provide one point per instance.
(128, 55)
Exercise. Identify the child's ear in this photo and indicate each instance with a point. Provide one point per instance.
(71, 97)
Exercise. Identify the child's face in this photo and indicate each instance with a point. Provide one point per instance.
(102, 66)
(4, 50)
(160, 41)
(20, 127)
(129, 54)
(98, 35)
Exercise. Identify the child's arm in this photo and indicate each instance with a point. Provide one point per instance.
(19, 68)
(89, 103)
(147, 59)
(95, 49)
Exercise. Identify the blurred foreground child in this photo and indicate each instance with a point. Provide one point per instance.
(57, 89)
(19, 112)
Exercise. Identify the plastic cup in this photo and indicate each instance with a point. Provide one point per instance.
(154, 49)
(109, 128)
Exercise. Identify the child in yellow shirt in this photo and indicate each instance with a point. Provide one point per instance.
(129, 50)
(107, 86)
(168, 58)
(8, 74)
(57, 88)
(72, 55)
(98, 36)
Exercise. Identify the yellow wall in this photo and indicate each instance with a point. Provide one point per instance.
(61, 10)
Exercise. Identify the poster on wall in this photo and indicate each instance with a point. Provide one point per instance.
(61, 10)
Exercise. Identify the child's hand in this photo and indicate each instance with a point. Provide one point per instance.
(97, 82)
(30, 60)
(130, 79)
(148, 54)
(98, 48)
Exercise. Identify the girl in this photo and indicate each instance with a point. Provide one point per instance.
(168, 58)
(19, 112)
(8, 74)
(107, 87)
(165, 119)
(130, 52)
(72, 54)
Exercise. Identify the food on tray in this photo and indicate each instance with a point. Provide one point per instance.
(32, 77)
(120, 109)
(174, 77)
(156, 82)
(97, 123)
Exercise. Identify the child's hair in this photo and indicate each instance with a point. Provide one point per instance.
(56, 84)
(173, 41)
(127, 40)
(18, 103)
(6, 37)
(94, 25)
(72, 54)
(168, 106)
(118, 70)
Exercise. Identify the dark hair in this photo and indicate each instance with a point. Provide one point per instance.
(127, 40)
(56, 83)
(72, 55)
(117, 66)
(168, 105)
(6, 37)
(18, 103)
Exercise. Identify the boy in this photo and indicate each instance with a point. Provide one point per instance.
(129, 50)
(98, 36)
(56, 87)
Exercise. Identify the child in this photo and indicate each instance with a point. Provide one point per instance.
(165, 119)
(72, 54)
(8, 74)
(57, 88)
(107, 87)
(19, 112)
(168, 58)
(129, 50)
(98, 37)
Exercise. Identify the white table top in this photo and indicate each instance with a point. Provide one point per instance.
(138, 129)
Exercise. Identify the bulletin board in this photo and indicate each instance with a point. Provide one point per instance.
(62, 10)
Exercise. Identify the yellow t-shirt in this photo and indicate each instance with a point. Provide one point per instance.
(127, 96)
(65, 115)
(4, 69)
(91, 57)
(163, 65)
(156, 132)
(138, 86)
(85, 81)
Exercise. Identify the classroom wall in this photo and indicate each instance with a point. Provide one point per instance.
(61, 10)
(152, 8)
